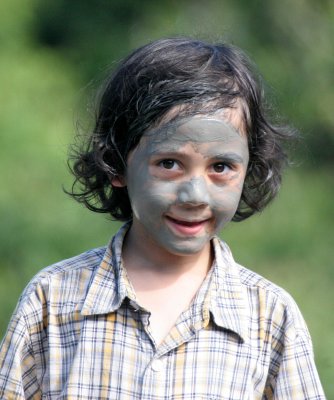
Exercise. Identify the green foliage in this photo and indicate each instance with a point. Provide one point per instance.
(292, 42)
(49, 52)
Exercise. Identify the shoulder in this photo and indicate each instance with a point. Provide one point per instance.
(63, 283)
(254, 281)
(267, 301)
(274, 303)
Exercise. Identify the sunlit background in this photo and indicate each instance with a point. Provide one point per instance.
(53, 56)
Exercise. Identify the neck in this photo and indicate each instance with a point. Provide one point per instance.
(142, 256)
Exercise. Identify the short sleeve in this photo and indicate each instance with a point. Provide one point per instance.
(297, 375)
(292, 373)
(18, 378)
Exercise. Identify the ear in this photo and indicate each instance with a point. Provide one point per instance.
(118, 181)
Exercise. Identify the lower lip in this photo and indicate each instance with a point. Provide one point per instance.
(186, 229)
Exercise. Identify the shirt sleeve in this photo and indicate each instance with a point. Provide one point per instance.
(18, 379)
(297, 376)
(293, 374)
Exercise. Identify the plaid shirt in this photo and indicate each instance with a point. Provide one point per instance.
(79, 333)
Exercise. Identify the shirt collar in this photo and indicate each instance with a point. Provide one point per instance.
(228, 299)
(225, 297)
(110, 284)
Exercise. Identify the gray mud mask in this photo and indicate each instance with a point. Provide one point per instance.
(174, 180)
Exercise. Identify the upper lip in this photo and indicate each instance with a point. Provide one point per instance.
(188, 220)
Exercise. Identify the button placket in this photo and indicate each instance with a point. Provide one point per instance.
(157, 365)
(154, 379)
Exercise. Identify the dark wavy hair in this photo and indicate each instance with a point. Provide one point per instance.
(200, 78)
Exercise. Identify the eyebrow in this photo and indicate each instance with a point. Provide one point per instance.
(230, 156)
(226, 157)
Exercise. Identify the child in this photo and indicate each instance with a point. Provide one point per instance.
(182, 145)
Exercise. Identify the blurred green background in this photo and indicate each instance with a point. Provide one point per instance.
(53, 54)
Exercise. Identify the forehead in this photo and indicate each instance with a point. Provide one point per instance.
(195, 129)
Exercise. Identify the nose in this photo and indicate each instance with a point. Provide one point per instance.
(194, 192)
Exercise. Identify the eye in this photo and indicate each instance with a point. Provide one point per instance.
(220, 167)
(168, 164)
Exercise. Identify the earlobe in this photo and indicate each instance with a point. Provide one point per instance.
(118, 181)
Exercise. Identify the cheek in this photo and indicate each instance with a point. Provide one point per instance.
(225, 200)
(155, 198)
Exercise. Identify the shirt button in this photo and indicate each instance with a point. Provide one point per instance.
(157, 365)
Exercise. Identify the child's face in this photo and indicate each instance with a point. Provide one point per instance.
(184, 182)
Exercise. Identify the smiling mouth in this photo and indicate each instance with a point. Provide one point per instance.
(186, 227)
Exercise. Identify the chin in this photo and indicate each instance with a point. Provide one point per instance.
(187, 247)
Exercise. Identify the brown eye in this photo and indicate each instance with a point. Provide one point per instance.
(220, 167)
